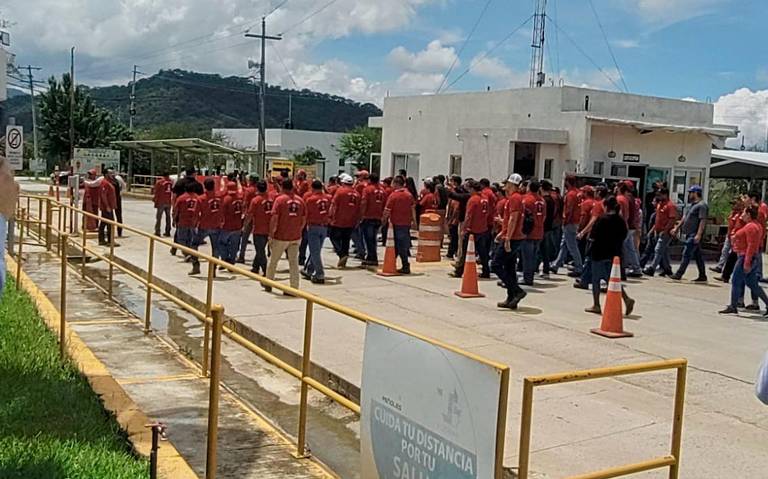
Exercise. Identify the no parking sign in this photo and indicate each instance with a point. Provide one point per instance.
(14, 146)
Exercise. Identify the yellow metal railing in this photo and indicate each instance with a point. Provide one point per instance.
(212, 315)
(672, 460)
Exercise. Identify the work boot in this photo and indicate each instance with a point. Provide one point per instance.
(649, 272)
(729, 310)
(195, 269)
(342, 262)
(507, 304)
(753, 307)
(404, 270)
(675, 277)
(629, 306)
(700, 279)
(716, 269)
(318, 280)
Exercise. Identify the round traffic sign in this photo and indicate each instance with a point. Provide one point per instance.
(14, 138)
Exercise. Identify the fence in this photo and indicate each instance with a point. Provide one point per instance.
(65, 231)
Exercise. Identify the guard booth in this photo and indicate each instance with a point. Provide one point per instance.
(172, 155)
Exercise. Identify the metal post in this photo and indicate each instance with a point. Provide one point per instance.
(48, 223)
(19, 258)
(63, 295)
(84, 245)
(111, 258)
(301, 451)
(150, 278)
(206, 326)
(525, 430)
(677, 424)
(40, 216)
(217, 313)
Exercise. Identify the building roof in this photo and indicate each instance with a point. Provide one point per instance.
(723, 131)
(737, 164)
(195, 146)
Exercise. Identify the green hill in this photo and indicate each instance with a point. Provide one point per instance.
(182, 103)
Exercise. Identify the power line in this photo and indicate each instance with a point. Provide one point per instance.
(303, 20)
(557, 40)
(276, 8)
(576, 45)
(608, 44)
(463, 45)
(485, 54)
(280, 57)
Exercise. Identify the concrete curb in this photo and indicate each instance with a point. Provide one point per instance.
(131, 419)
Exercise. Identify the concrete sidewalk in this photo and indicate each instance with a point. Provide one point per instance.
(577, 427)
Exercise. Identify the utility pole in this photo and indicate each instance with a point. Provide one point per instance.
(72, 106)
(34, 108)
(262, 88)
(537, 46)
(132, 108)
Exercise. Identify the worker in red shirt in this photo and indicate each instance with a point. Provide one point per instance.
(569, 245)
(630, 260)
(107, 205)
(333, 185)
(345, 215)
(666, 218)
(762, 216)
(746, 243)
(287, 221)
(259, 211)
(598, 210)
(400, 211)
(211, 216)
(318, 204)
(428, 200)
(490, 195)
(186, 216)
(508, 243)
(475, 224)
(358, 242)
(91, 200)
(162, 196)
(372, 204)
(231, 230)
(498, 216)
(248, 192)
(535, 212)
(301, 184)
(386, 185)
(734, 225)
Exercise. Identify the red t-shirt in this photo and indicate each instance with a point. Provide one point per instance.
(501, 204)
(345, 208)
(476, 219)
(747, 241)
(163, 192)
(400, 204)
(428, 202)
(332, 189)
(233, 212)
(571, 213)
(318, 206)
(492, 199)
(585, 212)
(107, 196)
(666, 215)
(291, 214)
(734, 221)
(514, 205)
(536, 206)
(762, 214)
(211, 210)
(374, 200)
(623, 207)
(301, 187)
(187, 210)
(248, 193)
(598, 209)
(260, 210)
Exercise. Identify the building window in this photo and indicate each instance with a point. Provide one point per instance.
(598, 168)
(455, 167)
(548, 168)
(619, 170)
(406, 161)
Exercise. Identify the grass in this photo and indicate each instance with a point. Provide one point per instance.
(52, 425)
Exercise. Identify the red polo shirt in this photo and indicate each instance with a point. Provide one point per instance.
(318, 206)
(428, 202)
(598, 209)
(291, 213)
(163, 192)
(107, 196)
(345, 207)
(476, 219)
(211, 210)
(514, 205)
(187, 210)
(536, 206)
(232, 205)
(374, 200)
(260, 210)
(623, 207)
(666, 215)
(400, 205)
(585, 212)
(571, 213)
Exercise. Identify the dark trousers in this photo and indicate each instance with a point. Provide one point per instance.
(260, 260)
(505, 266)
(692, 250)
(119, 215)
(482, 252)
(245, 234)
(340, 238)
(229, 244)
(105, 229)
(403, 243)
(530, 251)
(730, 263)
(384, 232)
(370, 228)
(213, 237)
(550, 246)
(303, 248)
(358, 245)
(648, 252)
(453, 240)
(159, 212)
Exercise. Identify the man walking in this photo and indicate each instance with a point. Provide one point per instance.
(259, 211)
(231, 230)
(162, 195)
(746, 243)
(628, 211)
(248, 193)
(569, 245)
(186, 213)
(508, 244)
(107, 205)
(211, 217)
(345, 214)
(289, 215)
(400, 211)
(476, 224)
(534, 211)
(666, 217)
(318, 204)
(692, 226)
(372, 205)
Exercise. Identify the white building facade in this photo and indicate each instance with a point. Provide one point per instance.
(284, 143)
(548, 132)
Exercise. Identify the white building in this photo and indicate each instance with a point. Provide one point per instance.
(547, 132)
(285, 143)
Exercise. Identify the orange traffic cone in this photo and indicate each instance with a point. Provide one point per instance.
(389, 268)
(612, 325)
(469, 288)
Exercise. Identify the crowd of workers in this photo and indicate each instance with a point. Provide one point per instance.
(517, 226)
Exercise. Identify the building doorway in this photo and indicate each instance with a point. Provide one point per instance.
(524, 163)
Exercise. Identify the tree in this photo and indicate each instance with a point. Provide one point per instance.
(94, 126)
(309, 156)
(357, 145)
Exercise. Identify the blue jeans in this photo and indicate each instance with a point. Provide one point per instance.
(740, 279)
(505, 266)
(229, 244)
(370, 228)
(188, 237)
(661, 253)
(303, 248)
(569, 245)
(530, 250)
(403, 243)
(692, 250)
(630, 255)
(213, 237)
(724, 252)
(358, 245)
(315, 238)
(3, 233)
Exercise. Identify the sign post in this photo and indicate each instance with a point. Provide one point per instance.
(14, 146)
(428, 411)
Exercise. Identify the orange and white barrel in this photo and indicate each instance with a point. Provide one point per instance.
(430, 238)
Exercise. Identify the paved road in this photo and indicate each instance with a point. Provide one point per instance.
(578, 427)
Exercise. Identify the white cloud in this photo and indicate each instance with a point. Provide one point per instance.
(419, 82)
(627, 43)
(434, 58)
(498, 72)
(667, 12)
(749, 110)
(607, 79)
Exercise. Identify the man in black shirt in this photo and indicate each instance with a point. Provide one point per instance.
(607, 235)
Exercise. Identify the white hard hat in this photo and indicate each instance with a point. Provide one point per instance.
(515, 179)
(346, 179)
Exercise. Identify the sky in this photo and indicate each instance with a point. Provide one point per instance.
(707, 50)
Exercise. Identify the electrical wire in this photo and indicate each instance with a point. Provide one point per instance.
(557, 41)
(305, 19)
(280, 57)
(608, 44)
(485, 54)
(276, 8)
(463, 46)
